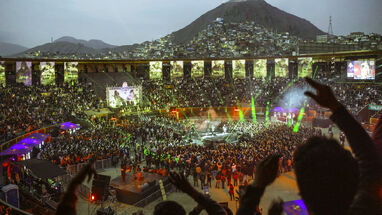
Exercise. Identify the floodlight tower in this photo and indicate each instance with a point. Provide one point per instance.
(330, 33)
(330, 29)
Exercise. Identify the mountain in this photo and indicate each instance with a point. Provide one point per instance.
(59, 49)
(259, 11)
(7, 49)
(95, 44)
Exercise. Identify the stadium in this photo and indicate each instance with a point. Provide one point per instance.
(284, 124)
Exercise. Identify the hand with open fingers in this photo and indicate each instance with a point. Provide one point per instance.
(266, 171)
(87, 170)
(324, 95)
(276, 207)
(181, 182)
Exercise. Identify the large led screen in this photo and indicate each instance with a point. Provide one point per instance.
(217, 69)
(361, 70)
(70, 72)
(197, 69)
(123, 96)
(281, 67)
(2, 73)
(260, 68)
(48, 73)
(24, 72)
(176, 70)
(305, 67)
(156, 70)
(238, 68)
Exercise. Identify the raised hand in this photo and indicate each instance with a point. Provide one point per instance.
(266, 171)
(276, 207)
(181, 182)
(324, 96)
(87, 170)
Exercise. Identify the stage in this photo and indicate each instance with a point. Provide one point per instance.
(139, 193)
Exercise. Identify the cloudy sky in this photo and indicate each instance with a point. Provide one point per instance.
(121, 22)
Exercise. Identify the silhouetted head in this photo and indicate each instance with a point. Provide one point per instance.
(169, 208)
(327, 176)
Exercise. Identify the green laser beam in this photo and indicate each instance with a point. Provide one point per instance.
(299, 119)
(253, 108)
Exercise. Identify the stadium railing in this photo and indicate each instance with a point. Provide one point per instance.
(6, 208)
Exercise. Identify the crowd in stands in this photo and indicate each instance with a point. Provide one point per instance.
(209, 92)
(27, 108)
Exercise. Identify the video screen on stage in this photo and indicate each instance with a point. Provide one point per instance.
(156, 70)
(70, 72)
(238, 68)
(217, 69)
(361, 70)
(281, 67)
(24, 73)
(48, 73)
(2, 73)
(176, 70)
(260, 68)
(123, 96)
(197, 69)
(305, 68)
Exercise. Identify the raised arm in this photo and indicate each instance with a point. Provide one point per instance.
(69, 200)
(366, 200)
(211, 206)
(266, 173)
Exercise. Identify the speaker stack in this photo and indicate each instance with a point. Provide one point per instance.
(100, 187)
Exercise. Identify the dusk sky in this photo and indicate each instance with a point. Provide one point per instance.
(123, 22)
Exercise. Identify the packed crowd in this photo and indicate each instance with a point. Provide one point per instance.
(26, 108)
(330, 180)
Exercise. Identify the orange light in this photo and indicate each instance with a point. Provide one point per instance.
(237, 109)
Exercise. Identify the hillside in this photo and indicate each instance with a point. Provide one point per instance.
(258, 11)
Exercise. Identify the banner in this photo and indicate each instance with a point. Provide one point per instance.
(2, 73)
(24, 73)
(305, 67)
(238, 68)
(48, 73)
(217, 69)
(176, 69)
(281, 67)
(197, 69)
(375, 107)
(260, 68)
(155, 69)
(70, 72)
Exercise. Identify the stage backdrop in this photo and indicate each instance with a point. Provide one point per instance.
(238, 68)
(70, 72)
(24, 73)
(155, 69)
(48, 73)
(260, 68)
(218, 69)
(176, 69)
(281, 67)
(305, 67)
(2, 73)
(197, 69)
